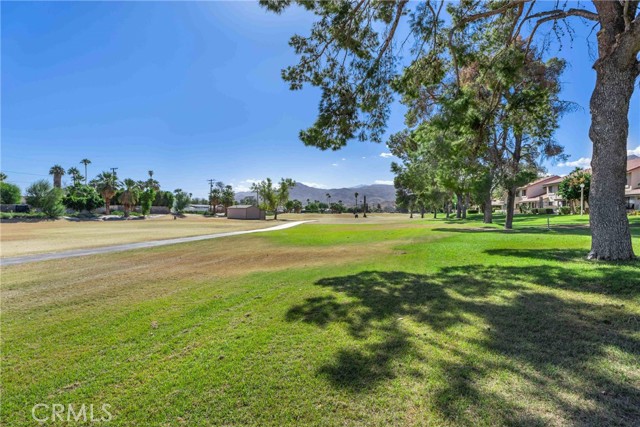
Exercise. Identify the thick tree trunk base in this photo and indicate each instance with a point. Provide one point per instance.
(610, 234)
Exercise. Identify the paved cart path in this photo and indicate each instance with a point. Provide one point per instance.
(140, 245)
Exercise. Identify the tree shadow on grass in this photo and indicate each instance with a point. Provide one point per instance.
(568, 229)
(556, 346)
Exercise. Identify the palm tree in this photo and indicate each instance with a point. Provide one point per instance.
(328, 200)
(130, 196)
(356, 210)
(85, 162)
(152, 183)
(57, 171)
(3, 176)
(75, 175)
(107, 185)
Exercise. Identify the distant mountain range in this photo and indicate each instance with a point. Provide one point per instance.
(382, 194)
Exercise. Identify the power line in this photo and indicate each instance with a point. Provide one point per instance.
(24, 173)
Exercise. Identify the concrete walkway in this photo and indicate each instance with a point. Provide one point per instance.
(141, 245)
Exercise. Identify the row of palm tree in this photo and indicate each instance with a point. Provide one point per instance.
(58, 172)
(107, 184)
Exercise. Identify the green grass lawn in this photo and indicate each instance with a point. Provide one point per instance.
(414, 322)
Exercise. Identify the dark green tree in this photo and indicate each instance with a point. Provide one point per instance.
(9, 193)
(352, 54)
(81, 197)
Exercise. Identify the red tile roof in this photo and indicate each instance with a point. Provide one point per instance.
(555, 181)
(633, 164)
(541, 180)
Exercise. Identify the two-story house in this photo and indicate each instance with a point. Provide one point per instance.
(541, 193)
(632, 188)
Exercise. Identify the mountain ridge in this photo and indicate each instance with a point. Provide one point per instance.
(383, 194)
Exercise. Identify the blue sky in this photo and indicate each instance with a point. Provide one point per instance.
(192, 91)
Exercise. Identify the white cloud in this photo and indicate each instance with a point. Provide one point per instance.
(364, 157)
(313, 184)
(343, 159)
(582, 162)
(635, 151)
(382, 181)
(386, 155)
(334, 164)
(244, 185)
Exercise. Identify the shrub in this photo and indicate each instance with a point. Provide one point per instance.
(10, 215)
(535, 211)
(52, 203)
(37, 192)
(564, 210)
(472, 211)
(9, 193)
(548, 211)
(82, 197)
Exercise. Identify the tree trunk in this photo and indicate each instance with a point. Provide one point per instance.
(465, 206)
(458, 206)
(421, 211)
(107, 206)
(511, 201)
(615, 79)
(488, 211)
(447, 207)
(275, 214)
(435, 212)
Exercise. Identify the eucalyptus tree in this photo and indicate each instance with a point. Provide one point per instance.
(57, 171)
(181, 200)
(273, 196)
(352, 55)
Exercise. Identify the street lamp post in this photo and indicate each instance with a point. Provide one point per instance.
(582, 199)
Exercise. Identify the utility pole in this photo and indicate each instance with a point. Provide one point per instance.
(364, 207)
(113, 170)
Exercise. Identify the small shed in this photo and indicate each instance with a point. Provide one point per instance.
(245, 212)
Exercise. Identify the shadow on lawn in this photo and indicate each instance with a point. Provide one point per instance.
(575, 230)
(561, 342)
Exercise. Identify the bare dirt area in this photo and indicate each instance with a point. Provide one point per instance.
(148, 273)
(26, 238)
